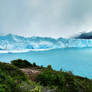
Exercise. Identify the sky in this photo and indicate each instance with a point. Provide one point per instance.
(46, 18)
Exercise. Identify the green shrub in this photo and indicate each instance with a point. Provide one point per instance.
(13, 71)
(65, 82)
(49, 67)
(12, 79)
(34, 64)
(21, 63)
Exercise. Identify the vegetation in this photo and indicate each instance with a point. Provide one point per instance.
(21, 63)
(12, 79)
(64, 81)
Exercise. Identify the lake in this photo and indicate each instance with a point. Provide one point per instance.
(77, 60)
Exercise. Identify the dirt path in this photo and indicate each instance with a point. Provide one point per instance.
(32, 73)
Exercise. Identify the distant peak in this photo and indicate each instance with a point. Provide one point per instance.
(84, 35)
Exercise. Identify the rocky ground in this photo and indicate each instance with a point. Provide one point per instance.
(32, 73)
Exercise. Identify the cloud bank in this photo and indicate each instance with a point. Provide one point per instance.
(52, 18)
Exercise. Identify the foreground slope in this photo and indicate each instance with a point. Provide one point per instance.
(57, 81)
(12, 79)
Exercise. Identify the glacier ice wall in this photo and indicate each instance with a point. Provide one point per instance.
(14, 42)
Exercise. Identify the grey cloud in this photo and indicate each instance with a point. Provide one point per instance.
(53, 18)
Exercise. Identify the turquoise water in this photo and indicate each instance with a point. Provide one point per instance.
(77, 60)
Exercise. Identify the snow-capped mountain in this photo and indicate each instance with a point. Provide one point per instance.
(14, 42)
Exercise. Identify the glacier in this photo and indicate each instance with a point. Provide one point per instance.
(15, 42)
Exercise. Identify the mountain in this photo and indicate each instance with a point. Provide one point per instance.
(15, 42)
(85, 35)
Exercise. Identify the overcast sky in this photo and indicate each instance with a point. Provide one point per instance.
(52, 18)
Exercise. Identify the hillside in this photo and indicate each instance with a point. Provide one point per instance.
(12, 79)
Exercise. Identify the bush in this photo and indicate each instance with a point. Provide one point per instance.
(34, 64)
(12, 79)
(21, 63)
(64, 82)
(12, 71)
(49, 67)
